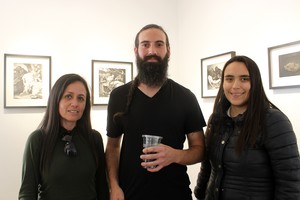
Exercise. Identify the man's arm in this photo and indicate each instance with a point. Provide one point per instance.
(195, 152)
(166, 155)
(112, 154)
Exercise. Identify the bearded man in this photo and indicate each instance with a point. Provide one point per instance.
(152, 104)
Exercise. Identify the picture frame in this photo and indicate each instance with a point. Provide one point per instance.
(26, 80)
(211, 71)
(106, 76)
(284, 65)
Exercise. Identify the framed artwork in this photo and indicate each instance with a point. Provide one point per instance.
(284, 65)
(106, 76)
(211, 71)
(26, 80)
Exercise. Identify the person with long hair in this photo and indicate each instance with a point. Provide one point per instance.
(156, 105)
(251, 148)
(64, 158)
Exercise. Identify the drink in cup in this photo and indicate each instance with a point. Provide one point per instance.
(151, 140)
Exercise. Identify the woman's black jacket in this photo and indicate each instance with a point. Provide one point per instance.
(268, 171)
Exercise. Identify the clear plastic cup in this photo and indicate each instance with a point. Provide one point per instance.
(148, 141)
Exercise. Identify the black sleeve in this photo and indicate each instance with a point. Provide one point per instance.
(281, 144)
(117, 103)
(101, 174)
(203, 178)
(30, 170)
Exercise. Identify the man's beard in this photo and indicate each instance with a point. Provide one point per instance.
(152, 73)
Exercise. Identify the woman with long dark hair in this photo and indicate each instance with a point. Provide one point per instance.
(251, 148)
(64, 157)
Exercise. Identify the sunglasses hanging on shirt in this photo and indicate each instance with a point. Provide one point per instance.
(69, 148)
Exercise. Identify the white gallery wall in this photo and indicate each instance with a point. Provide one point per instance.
(75, 32)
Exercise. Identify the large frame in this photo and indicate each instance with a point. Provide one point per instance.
(26, 80)
(211, 70)
(284, 65)
(107, 75)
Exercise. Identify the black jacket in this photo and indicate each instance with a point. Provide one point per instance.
(268, 171)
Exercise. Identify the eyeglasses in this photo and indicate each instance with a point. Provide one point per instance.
(69, 149)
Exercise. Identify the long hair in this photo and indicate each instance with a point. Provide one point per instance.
(136, 81)
(257, 104)
(50, 125)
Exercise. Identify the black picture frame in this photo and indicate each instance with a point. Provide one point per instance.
(284, 65)
(27, 80)
(106, 76)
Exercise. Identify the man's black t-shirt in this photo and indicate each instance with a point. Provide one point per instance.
(171, 113)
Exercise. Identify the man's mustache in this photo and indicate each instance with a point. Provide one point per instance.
(146, 58)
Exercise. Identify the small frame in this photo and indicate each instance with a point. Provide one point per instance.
(211, 70)
(26, 80)
(106, 76)
(284, 65)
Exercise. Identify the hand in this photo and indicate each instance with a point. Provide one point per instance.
(117, 194)
(162, 156)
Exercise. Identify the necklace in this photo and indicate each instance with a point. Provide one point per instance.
(228, 112)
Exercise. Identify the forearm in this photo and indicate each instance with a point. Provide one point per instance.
(189, 156)
(195, 152)
(112, 155)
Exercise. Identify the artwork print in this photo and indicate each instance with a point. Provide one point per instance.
(28, 80)
(109, 79)
(289, 64)
(214, 75)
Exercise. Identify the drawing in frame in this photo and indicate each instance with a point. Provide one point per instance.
(26, 80)
(211, 71)
(284, 65)
(106, 76)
